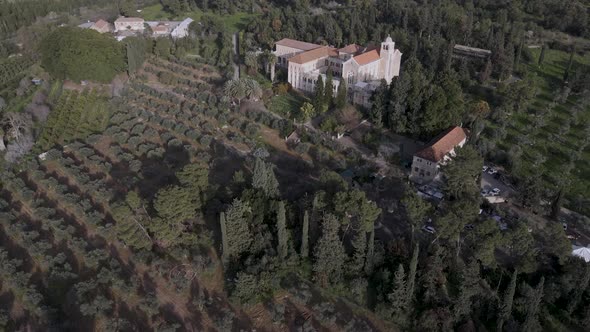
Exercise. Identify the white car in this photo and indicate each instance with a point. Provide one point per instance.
(429, 229)
(484, 169)
(495, 192)
(492, 171)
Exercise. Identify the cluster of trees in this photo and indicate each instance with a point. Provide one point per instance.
(175, 206)
(17, 14)
(74, 116)
(82, 54)
(417, 104)
(177, 7)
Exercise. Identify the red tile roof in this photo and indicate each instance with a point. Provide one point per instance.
(314, 54)
(444, 143)
(100, 24)
(160, 28)
(351, 49)
(130, 19)
(297, 44)
(367, 57)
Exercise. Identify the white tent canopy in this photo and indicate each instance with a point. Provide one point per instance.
(582, 252)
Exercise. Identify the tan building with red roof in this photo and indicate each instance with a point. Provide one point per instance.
(354, 64)
(427, 162)
(129, 23)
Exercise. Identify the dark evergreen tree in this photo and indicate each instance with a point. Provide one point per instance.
(505, 311)
(533, 302)
(379, 105)
(398, 297)
(360, 252)
(282, 232)
(239, 238)
(370, 259)
(224, 243)
(411, 280)
(329, 89)
(319, 98)
(341, 96)
(305, 236)
(329, 253)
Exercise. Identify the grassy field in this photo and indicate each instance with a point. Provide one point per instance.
(546, 142)
(287, 105)
(234, 22)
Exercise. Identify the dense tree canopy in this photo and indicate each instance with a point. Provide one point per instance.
(82, 54)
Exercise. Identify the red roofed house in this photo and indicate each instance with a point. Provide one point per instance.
(427, 162)
(353, 64)
(101, 26)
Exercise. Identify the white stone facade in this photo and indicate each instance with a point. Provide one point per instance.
(353, 63)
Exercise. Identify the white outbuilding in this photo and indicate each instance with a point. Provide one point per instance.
(181, 30)
(582, 252)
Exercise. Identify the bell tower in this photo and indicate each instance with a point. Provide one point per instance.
(387, 54)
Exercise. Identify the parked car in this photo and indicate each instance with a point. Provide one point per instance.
(469, 227)
(495, 192)
(564, 226)
(429, 229)
(484, 193)
(484, 168)
(492, 171)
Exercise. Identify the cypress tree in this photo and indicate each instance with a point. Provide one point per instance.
(282, 234)
(379, 104)
(341, 95)
(506, 307)
(360, 252)
(411, 281)
(272, 189)
(329, 253)
(318, 99)
(329, 90)
(305, 236)
(239, 237)
(370, 252)
(398, 296)
(224, 245)
(579, 291)
(531, 322)
(264, 178)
